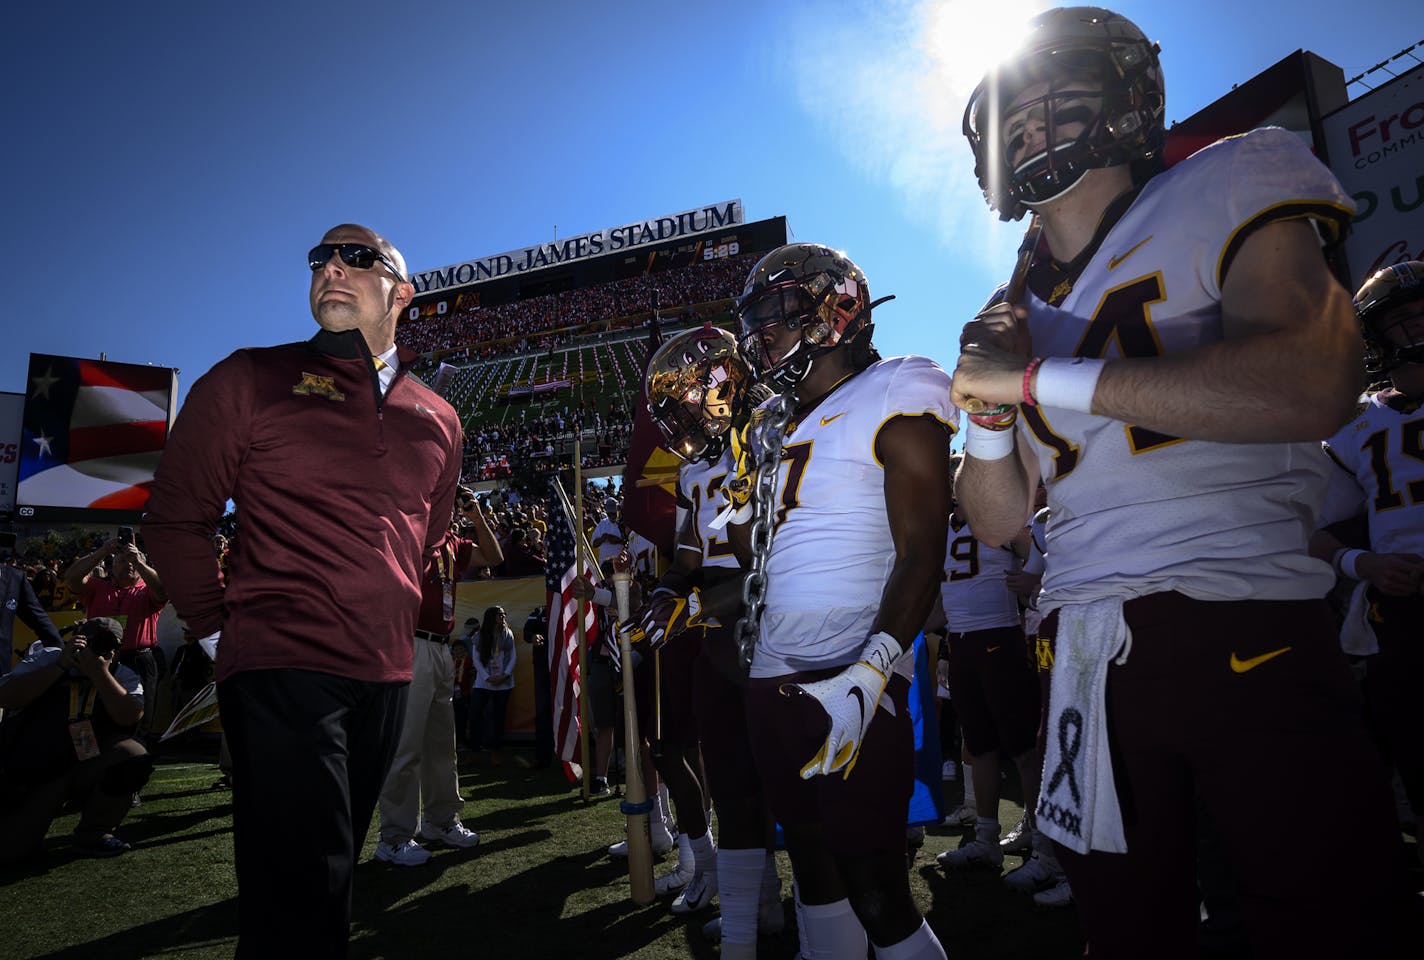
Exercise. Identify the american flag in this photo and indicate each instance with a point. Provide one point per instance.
(564, 673)
(93, 432)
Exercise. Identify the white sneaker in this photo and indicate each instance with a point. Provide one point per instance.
(455, 835)
(1036, 874)
(673, 881)
(1058, 895)
(698, 893)
(960, 816)
(662, 838)
(407, 854)
(950, 771)
(976, 853)
(1019, 839)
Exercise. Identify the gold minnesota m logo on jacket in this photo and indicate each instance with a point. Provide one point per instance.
(314, 386)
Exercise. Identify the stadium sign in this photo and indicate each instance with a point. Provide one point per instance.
(626, 237)
(1375, 144)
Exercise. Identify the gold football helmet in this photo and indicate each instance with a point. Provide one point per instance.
(805, 287)
(699, 388)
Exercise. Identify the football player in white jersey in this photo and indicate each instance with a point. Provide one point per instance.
(1381, 455)
(699, 390)
(1180, 351)
(996, 694)
(859, 515)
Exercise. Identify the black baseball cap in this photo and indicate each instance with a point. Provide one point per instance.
(96, 627)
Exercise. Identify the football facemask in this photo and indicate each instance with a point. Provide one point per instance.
(1390, 306)
(1091, 82)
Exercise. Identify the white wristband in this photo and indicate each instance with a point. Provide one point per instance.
(882, 652)
(1068, 384)
(981, 443)
(1345, 563)
(602, 597)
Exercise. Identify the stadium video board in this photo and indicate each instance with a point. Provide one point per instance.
(91, 437)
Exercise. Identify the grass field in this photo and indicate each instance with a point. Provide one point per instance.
(539, 885)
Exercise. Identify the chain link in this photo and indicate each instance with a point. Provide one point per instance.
(768, 465)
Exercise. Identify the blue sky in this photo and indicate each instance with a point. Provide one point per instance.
(169, 163)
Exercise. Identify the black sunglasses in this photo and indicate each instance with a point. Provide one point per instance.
(356, 255)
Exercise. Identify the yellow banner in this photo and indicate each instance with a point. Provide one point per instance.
(516, 597)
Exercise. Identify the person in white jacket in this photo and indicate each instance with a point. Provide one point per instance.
(494, 657)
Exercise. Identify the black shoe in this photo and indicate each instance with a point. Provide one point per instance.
(599, 787)
(106, 846)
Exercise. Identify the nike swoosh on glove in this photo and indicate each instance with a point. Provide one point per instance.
(665, 617)
(849, 699)
(737, 491)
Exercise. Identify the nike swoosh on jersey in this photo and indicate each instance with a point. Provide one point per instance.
(826, 420)
(1241, 666)
(1114, 261)
(991, 649)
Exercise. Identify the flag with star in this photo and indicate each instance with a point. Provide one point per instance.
(565, 667)
(92, 435)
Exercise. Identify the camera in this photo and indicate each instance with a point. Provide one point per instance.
(126, 536)
(103, 643)
(101, 634)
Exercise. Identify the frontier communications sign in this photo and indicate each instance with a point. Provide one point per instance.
(1376, 149)
(674, 226)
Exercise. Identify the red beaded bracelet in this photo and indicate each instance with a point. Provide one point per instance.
(1033, 365)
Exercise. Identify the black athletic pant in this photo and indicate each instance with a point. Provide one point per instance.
(143, 663)
(310, 752)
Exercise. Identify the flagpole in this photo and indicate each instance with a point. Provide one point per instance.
(582, 636)
(581, 545)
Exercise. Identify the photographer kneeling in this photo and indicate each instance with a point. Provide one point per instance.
(67, 736)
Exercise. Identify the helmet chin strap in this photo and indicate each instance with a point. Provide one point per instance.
(715, 446)
(793, 368)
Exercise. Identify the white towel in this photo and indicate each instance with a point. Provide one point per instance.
(1357, 637)
(1077, 801)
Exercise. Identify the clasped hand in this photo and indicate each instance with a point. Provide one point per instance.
(993, 350)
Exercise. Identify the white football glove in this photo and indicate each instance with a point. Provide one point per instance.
(849, 699)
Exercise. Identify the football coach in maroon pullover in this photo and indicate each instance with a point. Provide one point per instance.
(343, 469)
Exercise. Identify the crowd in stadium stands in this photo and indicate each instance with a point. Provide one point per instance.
(495, 451)
(475, 328)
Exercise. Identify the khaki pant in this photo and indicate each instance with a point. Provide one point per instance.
(23, 828)
(424, 772)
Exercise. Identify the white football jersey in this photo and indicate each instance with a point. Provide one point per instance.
(975, 594)
(831, 551)
(1136, 512)
(645, 554)
(698, 486)
(1037, 562)
(1381, 453)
